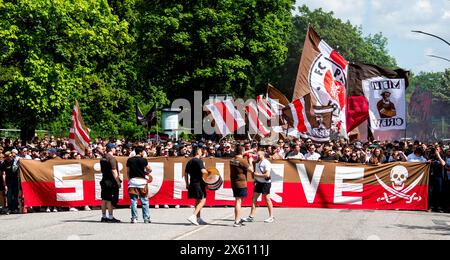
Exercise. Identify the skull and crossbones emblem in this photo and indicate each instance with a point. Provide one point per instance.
(399, 176)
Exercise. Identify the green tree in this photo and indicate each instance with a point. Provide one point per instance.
(57, 50)
(343, 36)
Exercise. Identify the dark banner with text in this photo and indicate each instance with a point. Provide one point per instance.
(401, 186)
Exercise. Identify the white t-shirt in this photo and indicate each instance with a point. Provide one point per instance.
(261, 168)
(413, 158)
(312, 157)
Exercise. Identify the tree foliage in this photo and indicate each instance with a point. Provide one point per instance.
(112, 54)
(215, 46)
(343, 36)
(56, 51)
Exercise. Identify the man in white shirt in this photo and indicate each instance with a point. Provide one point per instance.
(312, 155)
(417, 156)
(263, 183)
(296, 154)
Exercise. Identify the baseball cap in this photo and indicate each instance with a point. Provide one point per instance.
(8, 153)
(110, 146)
(14, 151)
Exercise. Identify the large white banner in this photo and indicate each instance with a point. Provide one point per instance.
(387, 103)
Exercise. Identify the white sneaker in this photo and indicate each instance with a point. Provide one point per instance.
(177, 206)
(48, 210)
(134, 221)
(156, 206)
(201, 222)
(55, 210)
(87, 208)
(269, 220)
(73, 210)
(166, 206)
(239, 224)
(193, 220)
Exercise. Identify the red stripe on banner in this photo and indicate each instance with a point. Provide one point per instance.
(292, 195)
(228, 118)
(301, 127)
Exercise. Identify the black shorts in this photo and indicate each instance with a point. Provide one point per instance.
(263, 188)
(240, 192)
(110, 191)
(197, 191)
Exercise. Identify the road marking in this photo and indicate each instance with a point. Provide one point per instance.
(201, 228)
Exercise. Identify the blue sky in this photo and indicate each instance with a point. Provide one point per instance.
(395, 19)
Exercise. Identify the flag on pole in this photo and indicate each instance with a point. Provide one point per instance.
(308, 121)
(227, 117)
(323, 74)
(140, 118)
(151, 117)
(361, 77)
(258, 118)
(278, 101)
(79, 133)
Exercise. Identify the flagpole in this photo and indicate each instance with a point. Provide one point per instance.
(157, 125)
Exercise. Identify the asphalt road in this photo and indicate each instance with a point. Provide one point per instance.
(290, 224)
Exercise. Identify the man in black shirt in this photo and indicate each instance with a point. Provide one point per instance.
(110, 184)
(10, 166)
(438, 180)
(138, 174)
(195, 169)
(3, 187)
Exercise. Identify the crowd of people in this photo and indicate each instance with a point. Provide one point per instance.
(371, 153)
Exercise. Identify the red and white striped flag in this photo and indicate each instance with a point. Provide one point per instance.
(264, 107)
(309, 121)
(300, 122)
(255, 122)
(79, 133)
(227, 117)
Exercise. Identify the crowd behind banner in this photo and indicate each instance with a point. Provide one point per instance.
(371, 153)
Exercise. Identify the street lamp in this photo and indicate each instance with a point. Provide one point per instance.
(438, 57)
(440, 38)
(432, 35)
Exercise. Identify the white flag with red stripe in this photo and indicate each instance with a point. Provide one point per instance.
(257, 125)
(264, 107)
(227, 117)
(300, 122)
(79, 133)
(308, 121)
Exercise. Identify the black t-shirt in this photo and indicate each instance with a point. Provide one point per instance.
(194, 168)
(437, 169)
(8, 168)
(1, 176)
(136, 165)
(108, 164)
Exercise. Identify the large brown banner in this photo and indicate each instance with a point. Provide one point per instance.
(294, 184)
